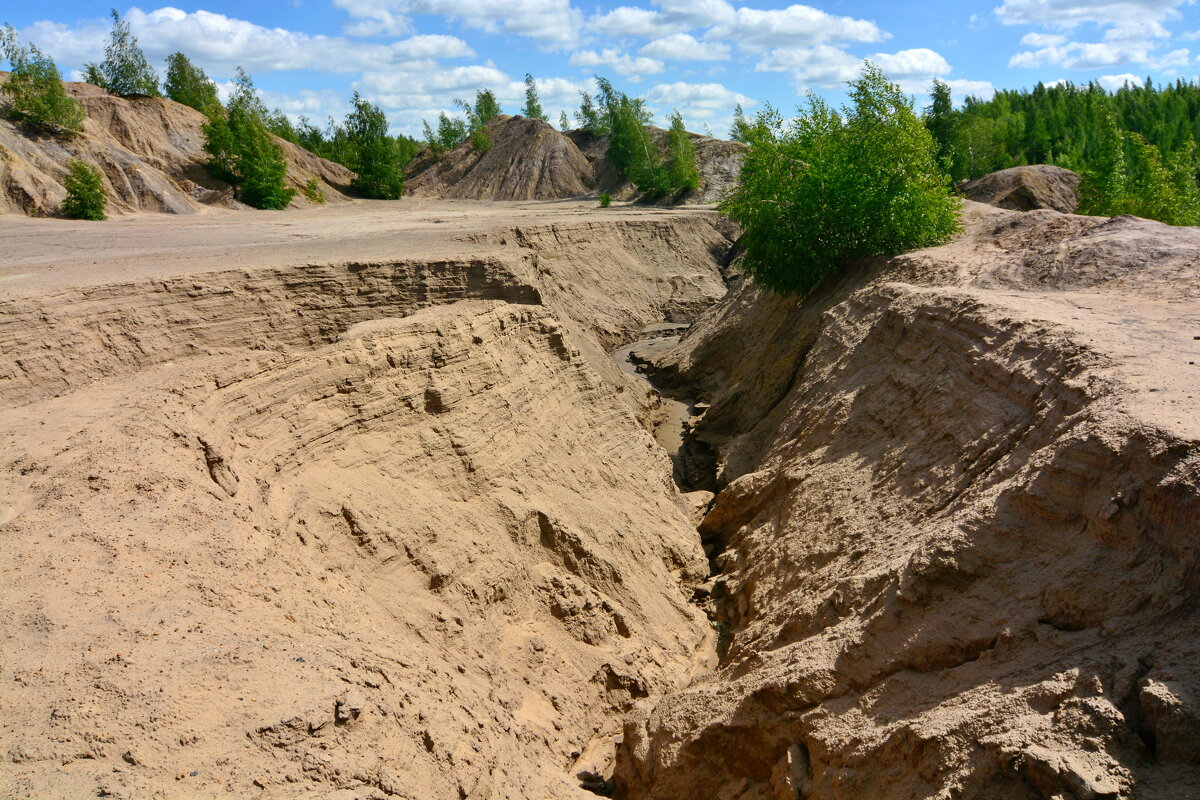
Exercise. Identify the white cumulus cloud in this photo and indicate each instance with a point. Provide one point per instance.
(685, 47)
(622, 63)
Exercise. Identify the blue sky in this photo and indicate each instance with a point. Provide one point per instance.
(413, 57)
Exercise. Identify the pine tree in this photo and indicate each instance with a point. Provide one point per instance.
(35, 88)
(186, 83)
(942, 123)
(376, 162)
(533, 106)
(124, 70)
(85, 192)
(564, 124)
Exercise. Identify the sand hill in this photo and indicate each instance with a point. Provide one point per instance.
(527, 160)
(1026, 188)
(151, 151)
(530, 160)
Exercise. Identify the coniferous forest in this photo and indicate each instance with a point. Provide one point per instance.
(1135, 147)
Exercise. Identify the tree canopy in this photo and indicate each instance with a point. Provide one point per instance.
(34, 89)
(124, 70)
(186, 83)
(533, 105)
(830, 187)
(242, 150)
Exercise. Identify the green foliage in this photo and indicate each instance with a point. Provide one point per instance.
(376, 160)
(480, 140)
(833, 187)
(85, 191)
(942, 123)
(1104, 186)
(589, 117)
(186, 83)
(312, 190)
(243, 152)
(533, 105)
(682, 173)
(1129, 176)
(564, 124)
(629, 144)
(34, 89)
(450, 134)
(1105, 136)
(605, 200)
(485, 109)
(740, 130)
(124, 70)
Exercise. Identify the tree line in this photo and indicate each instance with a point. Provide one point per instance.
(238, 134)
(1136, 148)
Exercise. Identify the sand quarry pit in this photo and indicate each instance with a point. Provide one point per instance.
(356, 502)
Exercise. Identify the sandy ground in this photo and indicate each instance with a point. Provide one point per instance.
(42, 254)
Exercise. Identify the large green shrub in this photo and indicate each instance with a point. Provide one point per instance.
(186, 83)
(85, 192)
(124, 70)
(34, 89)
(242, 151)
(831, 188)
(375, 155)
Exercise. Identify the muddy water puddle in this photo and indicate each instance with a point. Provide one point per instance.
(658, 339)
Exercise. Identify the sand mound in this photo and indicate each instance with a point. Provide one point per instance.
(527, 160)
(956, 531)
(719, 162)
(1026, 188)
(151, 151)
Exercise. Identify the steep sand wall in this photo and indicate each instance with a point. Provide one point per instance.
(957, 539)
(345, 530)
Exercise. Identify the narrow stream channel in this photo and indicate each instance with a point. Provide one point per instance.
(656, 340)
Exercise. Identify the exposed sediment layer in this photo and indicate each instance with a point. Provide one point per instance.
(958, 528)
(365, 529)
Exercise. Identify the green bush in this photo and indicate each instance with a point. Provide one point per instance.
(186, 83)
(605, 200)
(832, 188)
(35, 90)
(124, 70)
(243, 152)
(85, 192)
(312, 190)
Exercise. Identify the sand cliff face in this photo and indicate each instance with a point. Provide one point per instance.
(377, 528)
(958, 527)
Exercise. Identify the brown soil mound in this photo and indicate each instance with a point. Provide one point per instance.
(527, 160)
(719, 162)
(151, 151)
(1026, 188)
(957, 526)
